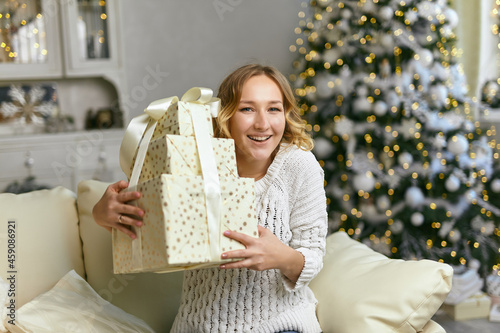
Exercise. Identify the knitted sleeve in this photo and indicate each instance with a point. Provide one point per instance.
(308, 217)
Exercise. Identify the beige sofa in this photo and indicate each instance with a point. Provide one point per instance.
(358, 290)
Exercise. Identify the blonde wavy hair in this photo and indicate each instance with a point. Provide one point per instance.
(230, 94)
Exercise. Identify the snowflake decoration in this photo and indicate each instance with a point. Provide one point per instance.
(27, 107)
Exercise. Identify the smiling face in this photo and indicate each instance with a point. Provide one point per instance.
(258, 124)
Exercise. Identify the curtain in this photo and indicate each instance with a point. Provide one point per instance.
(481, 55)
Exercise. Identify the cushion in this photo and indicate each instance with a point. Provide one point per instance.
(73, 306)
(46, 239)
(135, 293)
(360, 290)
(432, 327)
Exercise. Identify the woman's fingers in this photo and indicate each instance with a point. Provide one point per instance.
(125, 229)
(118, 186)
(130, 210)
(114, 211)
(244, 263)
(264, 252)
(235, 254)
(240, 237)
(125, 196)
(129, 220)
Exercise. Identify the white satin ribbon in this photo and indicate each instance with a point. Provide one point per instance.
(210, 180)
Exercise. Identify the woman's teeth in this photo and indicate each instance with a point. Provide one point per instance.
(259, 138)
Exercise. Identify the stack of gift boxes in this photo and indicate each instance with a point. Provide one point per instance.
(466, 299)
(176, 232)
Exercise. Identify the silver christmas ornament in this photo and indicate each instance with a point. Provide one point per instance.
(396, 227)
(361, 104)
(362, 91)
(417, 219)
(425, 57)
(331, 56)
(470, 195)
(323, 148)
(364, 182)
(405, 158)
(495, 185)
(386, 40)
(346, 14)
(414, 197)
(323, 90)
(380, 108)
(411, 16)
(458, 144)
(383, 203)
(344, 126)
(386, 13)
(452, 184)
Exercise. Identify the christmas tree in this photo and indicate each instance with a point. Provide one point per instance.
(407, 171)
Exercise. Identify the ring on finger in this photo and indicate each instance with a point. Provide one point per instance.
(120, 218)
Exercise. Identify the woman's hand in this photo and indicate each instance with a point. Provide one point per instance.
(264, 252)
(113, 210)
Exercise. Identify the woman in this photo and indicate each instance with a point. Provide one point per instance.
(266, 291)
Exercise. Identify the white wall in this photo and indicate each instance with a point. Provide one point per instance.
(198, 42)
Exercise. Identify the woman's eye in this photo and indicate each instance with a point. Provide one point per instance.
(246, 109)
(275, 109)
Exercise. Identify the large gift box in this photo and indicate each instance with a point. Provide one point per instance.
(476, 306)
(191, 191)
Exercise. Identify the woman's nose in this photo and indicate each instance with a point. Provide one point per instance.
(261, 120)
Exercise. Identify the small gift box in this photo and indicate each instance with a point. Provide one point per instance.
(167, 116)
(476, 306)
(177, 120)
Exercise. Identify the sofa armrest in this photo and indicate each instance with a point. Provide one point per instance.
(41, 229)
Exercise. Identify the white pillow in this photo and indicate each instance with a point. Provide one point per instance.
(47, 240)
(360, 290)
(73, 306)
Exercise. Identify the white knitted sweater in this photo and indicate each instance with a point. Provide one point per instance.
(291, 202)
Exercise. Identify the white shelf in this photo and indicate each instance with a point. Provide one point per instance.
(62, 159)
